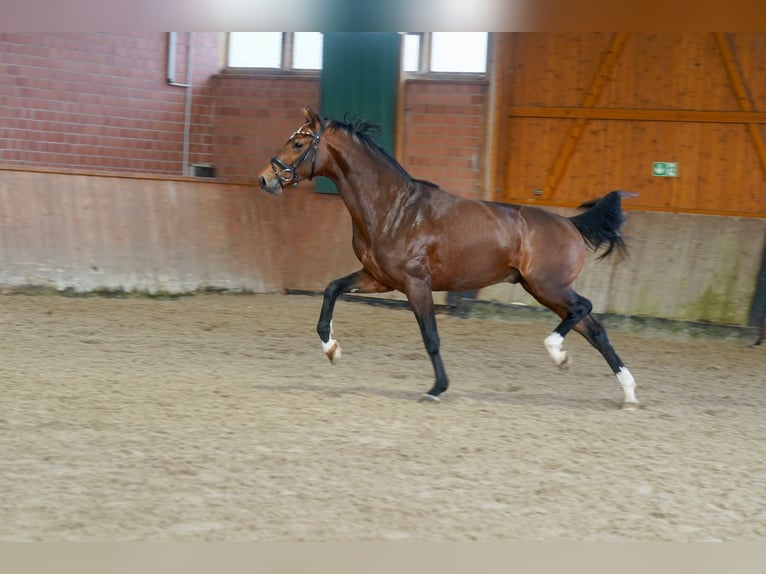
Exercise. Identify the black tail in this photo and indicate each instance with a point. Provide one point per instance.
(602, 222)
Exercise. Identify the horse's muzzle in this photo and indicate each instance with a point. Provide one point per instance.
(270, 185)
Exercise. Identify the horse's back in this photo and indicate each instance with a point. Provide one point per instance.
(472, 243)
(511, 226)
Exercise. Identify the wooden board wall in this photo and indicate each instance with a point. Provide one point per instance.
(87, 232)
(587, 113)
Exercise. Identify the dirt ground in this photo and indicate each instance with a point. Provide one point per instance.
(218, 417)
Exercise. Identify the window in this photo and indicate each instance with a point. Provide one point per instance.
(307, 50)
(276, 50)
(452, 52)
(255, 49)
(411, 52)
(422, 52)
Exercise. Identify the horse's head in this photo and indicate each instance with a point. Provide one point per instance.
(297, 158)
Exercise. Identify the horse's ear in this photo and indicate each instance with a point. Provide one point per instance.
(312, 118)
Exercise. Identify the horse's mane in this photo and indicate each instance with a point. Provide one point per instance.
(365, 132)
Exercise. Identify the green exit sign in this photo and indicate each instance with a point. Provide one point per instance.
(665, 169)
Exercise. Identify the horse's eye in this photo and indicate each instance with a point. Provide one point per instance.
(297, 145)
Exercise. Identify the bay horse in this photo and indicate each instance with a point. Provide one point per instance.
(412, 236)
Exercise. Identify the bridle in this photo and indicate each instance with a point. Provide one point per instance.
(286, 173)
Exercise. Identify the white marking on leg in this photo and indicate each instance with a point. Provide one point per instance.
(553, 343)
(628, 386)
(329, 344)
(331, 348)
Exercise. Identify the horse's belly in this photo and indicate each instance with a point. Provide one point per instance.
(470, 268)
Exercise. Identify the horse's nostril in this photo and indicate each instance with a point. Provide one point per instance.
(263, 182)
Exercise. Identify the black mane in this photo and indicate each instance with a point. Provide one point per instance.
(365, 131)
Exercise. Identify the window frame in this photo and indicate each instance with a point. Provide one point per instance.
(424, 62)
(286, 60)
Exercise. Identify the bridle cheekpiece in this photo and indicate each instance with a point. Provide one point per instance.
(286, 173)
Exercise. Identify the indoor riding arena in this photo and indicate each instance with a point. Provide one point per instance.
(162, 375)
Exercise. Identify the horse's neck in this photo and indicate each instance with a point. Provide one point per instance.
(369, 185)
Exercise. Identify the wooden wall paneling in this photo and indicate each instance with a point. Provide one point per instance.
(750, 49)
(531, 147)
(745, 104)
(669, 71)
(591, 98)
(553, 69)
(655, 97)
(495, 120)
(637, 114)
(89, 232)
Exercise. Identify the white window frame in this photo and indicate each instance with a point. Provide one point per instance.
(424, 60)
(286, 59)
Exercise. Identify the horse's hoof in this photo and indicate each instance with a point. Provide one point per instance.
(630, 406)
(334, 353)
(426, 398)
(566, 363)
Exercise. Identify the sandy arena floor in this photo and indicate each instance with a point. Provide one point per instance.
(217, 417)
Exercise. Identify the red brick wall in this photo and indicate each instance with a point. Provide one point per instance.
(100, 101)
(444, 133)
(443, 126)
(254, 115)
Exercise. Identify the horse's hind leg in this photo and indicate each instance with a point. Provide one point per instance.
(571, 307)
(595, 333)
(358, 282)
(574, 310)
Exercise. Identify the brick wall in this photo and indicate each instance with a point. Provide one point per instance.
(444, 135)
(443, 126)
(254, 115)
(100, 101)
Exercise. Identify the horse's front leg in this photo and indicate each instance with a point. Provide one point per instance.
(358, 282)
(422, 302)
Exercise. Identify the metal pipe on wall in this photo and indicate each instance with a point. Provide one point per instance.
(171, 69)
